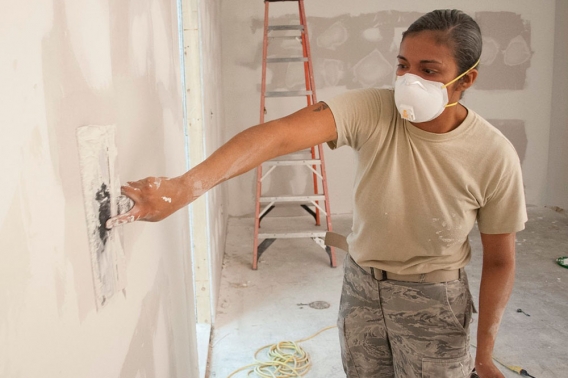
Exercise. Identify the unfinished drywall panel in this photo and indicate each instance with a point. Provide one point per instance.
(558, 154)
(66, 64)
(354, 46)
(506, 50)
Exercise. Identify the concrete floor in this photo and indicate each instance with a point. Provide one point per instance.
(266, 306)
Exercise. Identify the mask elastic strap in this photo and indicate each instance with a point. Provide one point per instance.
(463, 74)
(459, 77)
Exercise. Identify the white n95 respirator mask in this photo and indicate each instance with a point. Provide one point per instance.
(420, 100)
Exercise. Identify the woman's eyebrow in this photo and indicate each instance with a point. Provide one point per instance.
(430, 61)
(424, 61)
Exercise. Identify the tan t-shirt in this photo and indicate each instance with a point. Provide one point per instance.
(417, 194)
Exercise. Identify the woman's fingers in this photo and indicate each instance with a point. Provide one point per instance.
(137, 185)
(132, 214)
(128, 217)
(152, 199)
(132, 192)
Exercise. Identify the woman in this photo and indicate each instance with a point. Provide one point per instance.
(428, 168)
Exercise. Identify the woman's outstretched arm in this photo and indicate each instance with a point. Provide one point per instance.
(155, 198)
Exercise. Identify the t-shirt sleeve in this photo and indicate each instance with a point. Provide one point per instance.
(505, 209)
(355, 113)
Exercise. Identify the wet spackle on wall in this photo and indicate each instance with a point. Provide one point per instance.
(97, 153)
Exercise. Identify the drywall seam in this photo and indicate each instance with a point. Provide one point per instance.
(195, 125)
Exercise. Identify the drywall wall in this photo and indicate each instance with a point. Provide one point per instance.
(354, 45)
(65, 64)
(205, 131)
(214, 133)
(558, 153)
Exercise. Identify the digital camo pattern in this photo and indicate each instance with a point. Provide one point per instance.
(365, 349)
(403, 329)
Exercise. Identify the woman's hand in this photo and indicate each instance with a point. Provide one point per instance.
(155, 198)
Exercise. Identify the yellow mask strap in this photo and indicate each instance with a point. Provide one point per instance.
(452, 104)
(462, 75)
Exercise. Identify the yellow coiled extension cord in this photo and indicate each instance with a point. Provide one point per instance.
(286, 360)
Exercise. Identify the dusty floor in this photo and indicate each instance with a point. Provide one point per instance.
(269, 305)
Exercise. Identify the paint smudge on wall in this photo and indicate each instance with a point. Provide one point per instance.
(517, 52)
(372, 34)
(372, 69)
(151, 352)
(295, 76)
(88, 24)
(349, 51)
(506, 50)
(360, 51)
(333, 71)
(490, 51)
(333, 37)
(101, 189)
(515, 131)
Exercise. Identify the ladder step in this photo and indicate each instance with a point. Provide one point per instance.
(285, 37)
(292, 235)
(288, 93)
(286, 27)
(294, 162)
(287, 60)
(316, 197)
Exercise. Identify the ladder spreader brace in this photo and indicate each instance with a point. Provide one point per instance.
(316, 165)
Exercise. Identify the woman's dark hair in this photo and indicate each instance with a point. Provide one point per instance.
(455, 29)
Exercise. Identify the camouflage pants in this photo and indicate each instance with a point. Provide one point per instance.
(403, 329)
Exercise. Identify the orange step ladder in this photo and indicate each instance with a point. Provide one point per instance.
(317, 203)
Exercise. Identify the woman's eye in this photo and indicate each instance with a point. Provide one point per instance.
(429, 72)
(401, 66)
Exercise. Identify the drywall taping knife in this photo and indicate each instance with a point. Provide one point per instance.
(124, 204)
(102, 200)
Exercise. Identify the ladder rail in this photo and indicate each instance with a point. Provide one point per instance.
(307, 52)
(320, 147)
(310, 85)
(327, 207)
(316, 151)
(257, 215)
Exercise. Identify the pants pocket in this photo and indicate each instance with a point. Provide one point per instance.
(447, 367)
(460, 303)
(365, 351)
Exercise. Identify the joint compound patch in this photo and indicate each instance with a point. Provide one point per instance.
(101, 191)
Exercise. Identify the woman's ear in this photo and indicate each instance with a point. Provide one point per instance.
(468, 79)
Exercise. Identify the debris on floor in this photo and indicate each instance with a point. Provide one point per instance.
(522, 312)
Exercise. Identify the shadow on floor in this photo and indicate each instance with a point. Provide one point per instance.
(269, 305)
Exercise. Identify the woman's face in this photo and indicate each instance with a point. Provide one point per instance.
(422, 55)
